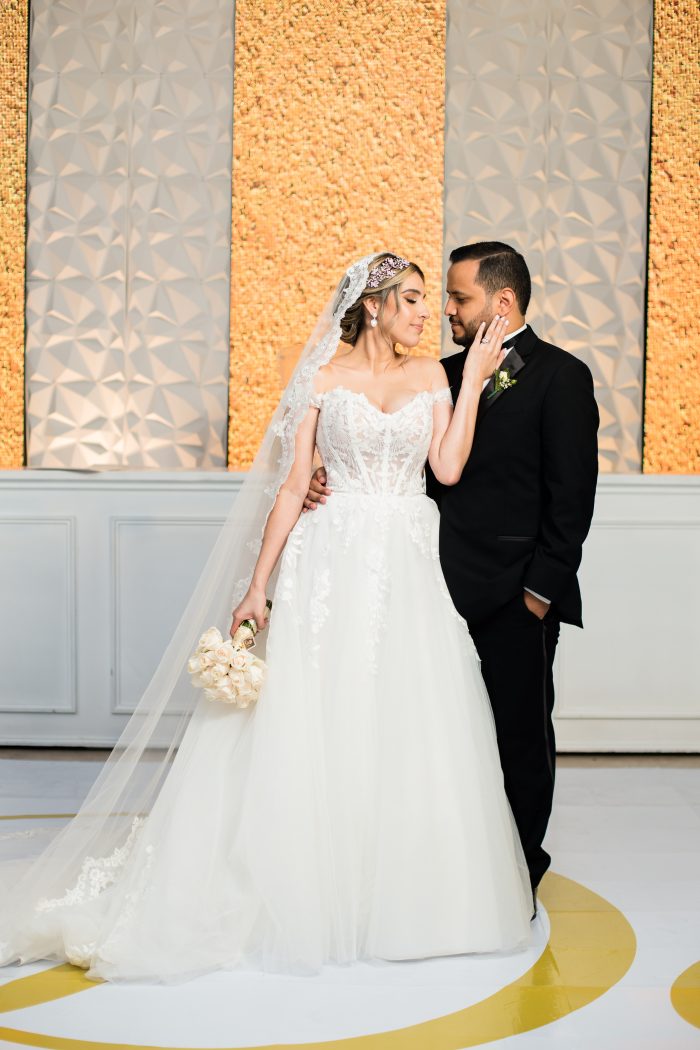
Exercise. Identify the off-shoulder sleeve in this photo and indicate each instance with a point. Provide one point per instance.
(444, 394)
(315, 400)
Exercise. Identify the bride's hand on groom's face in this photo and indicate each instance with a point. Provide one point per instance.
(318, 492)
(485, 354)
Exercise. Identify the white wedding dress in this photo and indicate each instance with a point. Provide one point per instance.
(358, 811)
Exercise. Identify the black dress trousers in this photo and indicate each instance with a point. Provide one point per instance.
(517, 652)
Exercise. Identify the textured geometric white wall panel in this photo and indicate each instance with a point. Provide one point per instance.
(128, 248)
(547, 148)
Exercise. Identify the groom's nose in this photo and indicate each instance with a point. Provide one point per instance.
(450, 307)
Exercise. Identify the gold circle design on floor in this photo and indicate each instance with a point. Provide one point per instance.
(685, 995)
(590, 948)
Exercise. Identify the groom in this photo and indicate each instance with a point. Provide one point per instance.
(512, 528)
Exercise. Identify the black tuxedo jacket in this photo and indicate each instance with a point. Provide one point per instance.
(520, 512)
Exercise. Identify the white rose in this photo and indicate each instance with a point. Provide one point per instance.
(195, 664)
(240, 659)
(224, 653)
(225, 691)
(503, 376)
(211, 639)
(256, 675)
(245, 699)
(209, 677)
(237, 679)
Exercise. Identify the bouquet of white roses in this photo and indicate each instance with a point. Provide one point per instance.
(225, 669)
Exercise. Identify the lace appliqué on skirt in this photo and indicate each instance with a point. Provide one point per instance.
(96, 874)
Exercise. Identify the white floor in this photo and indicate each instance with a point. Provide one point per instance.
(630, 834)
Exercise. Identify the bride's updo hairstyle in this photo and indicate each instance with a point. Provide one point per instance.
(354, 320)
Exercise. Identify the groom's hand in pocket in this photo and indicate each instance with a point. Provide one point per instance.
(318, 492)
(536, 606)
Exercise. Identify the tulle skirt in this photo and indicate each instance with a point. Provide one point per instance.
(356, 813)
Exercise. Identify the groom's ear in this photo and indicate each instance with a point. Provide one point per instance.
(505, 302)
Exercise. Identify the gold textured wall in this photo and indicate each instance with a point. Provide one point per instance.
(672, 403)
(338, 151)
(14, 16)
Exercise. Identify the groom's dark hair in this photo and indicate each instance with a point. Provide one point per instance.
(500, 266)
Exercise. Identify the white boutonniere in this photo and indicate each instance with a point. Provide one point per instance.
(502, 380)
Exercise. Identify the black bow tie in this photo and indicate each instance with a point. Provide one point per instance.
(511, 340)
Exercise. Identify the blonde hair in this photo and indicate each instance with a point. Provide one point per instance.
(353, 321)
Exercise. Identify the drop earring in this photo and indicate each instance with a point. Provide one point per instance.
(373, 322)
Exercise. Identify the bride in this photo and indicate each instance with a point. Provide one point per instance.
(358, 811)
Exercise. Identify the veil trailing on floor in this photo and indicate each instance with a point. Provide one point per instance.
(132, 777)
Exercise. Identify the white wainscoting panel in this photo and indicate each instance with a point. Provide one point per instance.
(37, 615)
(647, 683)
(96, 569)
(157, 562)
(140, 541)
(629, 681)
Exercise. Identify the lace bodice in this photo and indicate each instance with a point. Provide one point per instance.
(365, 450)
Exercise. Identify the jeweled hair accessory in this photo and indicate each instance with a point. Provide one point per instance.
(386, 269)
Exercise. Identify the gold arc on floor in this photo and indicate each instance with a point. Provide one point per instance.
(685, 994)
(590, 948)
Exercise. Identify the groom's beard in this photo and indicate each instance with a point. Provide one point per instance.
(465, 334)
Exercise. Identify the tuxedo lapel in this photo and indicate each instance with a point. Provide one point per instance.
(513, 362)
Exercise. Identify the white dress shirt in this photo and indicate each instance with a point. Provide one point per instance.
(511, 335)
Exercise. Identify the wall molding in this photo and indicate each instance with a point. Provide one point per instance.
(112, 481)
(654, 523)
(215, 480)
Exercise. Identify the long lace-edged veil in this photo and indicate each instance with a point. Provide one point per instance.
(135, 771)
